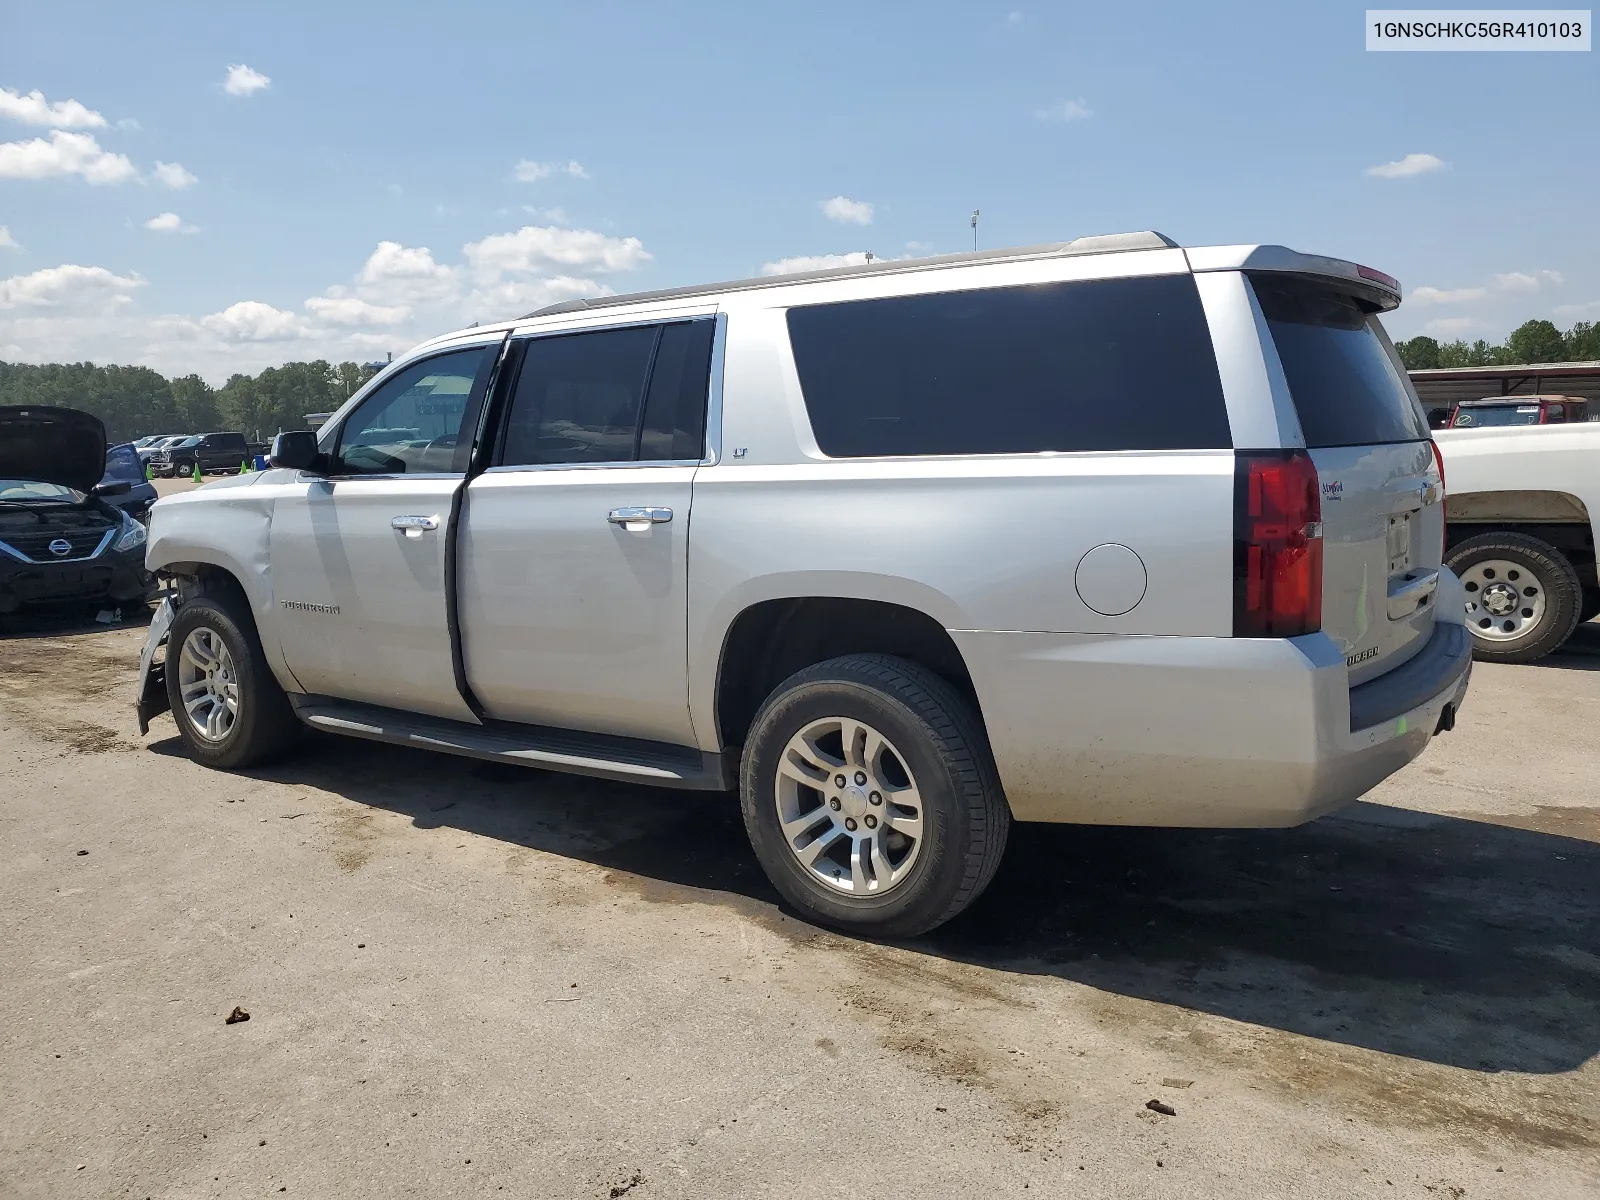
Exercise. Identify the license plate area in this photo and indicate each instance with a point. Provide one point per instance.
(1399, 544)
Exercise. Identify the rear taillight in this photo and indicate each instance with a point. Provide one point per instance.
(1277, 561)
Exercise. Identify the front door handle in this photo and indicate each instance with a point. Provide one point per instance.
(414, 526)
(637, 520)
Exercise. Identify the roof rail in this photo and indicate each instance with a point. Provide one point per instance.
(1104, 243)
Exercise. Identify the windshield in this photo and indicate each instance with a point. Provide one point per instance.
(1497, 414)
(32, 489)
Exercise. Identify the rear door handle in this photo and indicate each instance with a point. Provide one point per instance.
(414, 526)
(635, 520)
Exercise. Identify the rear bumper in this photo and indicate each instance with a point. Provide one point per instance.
(1201, 732)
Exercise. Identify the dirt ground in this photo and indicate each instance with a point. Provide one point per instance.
(473, 980)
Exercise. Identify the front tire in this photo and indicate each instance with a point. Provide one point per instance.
(1523, 595)
(914, 832)
(229, 709)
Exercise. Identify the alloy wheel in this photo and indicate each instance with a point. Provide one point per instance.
(848, 806)
(208, 684)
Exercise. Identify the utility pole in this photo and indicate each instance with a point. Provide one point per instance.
(974, 230)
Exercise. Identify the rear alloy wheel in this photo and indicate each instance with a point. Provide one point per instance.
(871, 798)
(1523, 595)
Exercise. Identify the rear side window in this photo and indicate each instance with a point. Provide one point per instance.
(614, 395)
(1119, 364)
(1347, 388)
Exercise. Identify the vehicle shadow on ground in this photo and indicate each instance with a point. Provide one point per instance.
(1581, 651)
(67, 622)
(1441, 939)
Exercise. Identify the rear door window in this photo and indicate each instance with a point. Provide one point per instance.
(1118, 364)
(1347, 387)
(611, 396)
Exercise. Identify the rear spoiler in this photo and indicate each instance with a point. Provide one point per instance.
(1370, 284)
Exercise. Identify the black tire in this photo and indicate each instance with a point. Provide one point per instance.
(265, 725)
(965, 815)
(1590, 608)
(1553, 572)
(180, 469)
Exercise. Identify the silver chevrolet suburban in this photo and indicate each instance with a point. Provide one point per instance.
(1108, 531)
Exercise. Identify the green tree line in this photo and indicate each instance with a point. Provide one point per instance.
(1530, 342)
(136, 401)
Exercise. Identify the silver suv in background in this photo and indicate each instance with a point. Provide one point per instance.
(1108, 531)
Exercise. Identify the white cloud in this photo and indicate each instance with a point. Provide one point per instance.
(68, 287)
(7, 242)
(556, 215)
(814, 262)
(244, 81)
(398, 296)
(34, 109)
(175, 176)
(1411, 164)
(846, 211)
(1433, 295)
(351, 311)
(253, 321)
(63, 154)
(1521, 281)
(170, 222)
(528, 171)
(1591, 309)
(1451, 326)
(538, 248)
(1064, 111)
(405, 275)
(511, 297)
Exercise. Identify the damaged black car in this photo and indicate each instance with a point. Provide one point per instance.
(61, 543)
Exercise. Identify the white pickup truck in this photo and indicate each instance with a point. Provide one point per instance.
(1521, 513)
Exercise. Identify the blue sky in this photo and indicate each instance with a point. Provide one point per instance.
(357, 188)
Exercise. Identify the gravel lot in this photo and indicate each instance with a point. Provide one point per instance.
(473, 980)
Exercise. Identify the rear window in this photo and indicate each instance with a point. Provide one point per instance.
(1121, 364)
(1347, 388)
(1497, 414)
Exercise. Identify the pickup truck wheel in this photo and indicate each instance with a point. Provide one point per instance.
(229, 709)
(1523, 595)
(871, 798)
(182, 469)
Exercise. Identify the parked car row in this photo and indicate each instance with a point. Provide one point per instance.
(212, 453)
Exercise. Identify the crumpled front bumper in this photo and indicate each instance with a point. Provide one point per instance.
(152, 693)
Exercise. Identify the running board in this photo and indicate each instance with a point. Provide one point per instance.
(603, 756)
